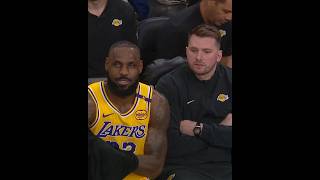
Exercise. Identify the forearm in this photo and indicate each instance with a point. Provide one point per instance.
(149, 166)
(180, 145)
(217, 135)
(155, 149)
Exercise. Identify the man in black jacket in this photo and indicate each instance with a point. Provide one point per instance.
(109, 21)
(200, 98)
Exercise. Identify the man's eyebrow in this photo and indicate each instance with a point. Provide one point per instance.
(227, 10)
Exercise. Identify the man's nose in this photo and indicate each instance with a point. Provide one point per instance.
(229, 17)
(199, 55)
(124, 70)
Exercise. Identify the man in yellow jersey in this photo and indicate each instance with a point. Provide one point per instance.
(128, 114)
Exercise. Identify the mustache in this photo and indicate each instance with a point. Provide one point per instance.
(123, 78)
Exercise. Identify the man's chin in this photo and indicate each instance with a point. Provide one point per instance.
(124, 90)
(123, 83)
(123, 87)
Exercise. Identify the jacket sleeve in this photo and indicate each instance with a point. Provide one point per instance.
(213, 133)
(217, 135)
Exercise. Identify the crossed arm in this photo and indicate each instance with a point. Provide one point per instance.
(214, 134)
(151, 163)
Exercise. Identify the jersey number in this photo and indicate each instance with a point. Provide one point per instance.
(127, 146)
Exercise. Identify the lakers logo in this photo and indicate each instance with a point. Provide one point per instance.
(222, 33)
(117, 22)
(141, 114)
(222, 97)
(171, 176)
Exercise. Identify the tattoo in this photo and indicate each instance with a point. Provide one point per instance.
(160, 115)
(151, 163)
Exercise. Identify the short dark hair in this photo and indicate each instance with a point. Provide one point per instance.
(127, 44)
(205, 30)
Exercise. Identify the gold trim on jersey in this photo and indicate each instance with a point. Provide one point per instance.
(97, 108)
(106, 98)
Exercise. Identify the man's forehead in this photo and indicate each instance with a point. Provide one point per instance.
(228, 5)
(128, 49)
(119, 51)
(124, 53)
(197, 39)
(202, 42)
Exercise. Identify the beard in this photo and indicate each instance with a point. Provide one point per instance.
(118, 90)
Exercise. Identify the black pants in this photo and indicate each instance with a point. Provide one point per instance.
(187, 173)
(105, 162)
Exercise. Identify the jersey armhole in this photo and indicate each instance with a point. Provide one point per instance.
(97, 108)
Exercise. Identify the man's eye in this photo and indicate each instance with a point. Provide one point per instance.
(132, 65)
(194, 50)
(117, 65)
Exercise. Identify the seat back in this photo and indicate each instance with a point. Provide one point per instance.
(159, 68)
(172, 2)
(92, 80)
(147, 37)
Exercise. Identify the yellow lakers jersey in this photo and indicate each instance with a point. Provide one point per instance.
(127, 131)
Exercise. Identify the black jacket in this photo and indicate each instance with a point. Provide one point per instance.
(196, 100)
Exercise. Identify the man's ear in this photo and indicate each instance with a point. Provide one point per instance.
(140, 66)
(106, 63)
(219, 54)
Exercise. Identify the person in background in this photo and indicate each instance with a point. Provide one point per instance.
(109, 21)
(173, 35)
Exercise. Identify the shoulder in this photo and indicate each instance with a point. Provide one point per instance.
(178, 74)
(225, 72)
(120, 6)
(226, 30)
(94, 86)
(173, 83)
(160, 110)
(184, 15)
(185, 18)
(158, 98)
(227, 26)
(118, 3)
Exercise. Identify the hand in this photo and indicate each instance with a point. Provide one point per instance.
(187, 126)
(227, 120)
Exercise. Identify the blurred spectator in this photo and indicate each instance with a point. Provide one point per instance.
(173, 35)
(141, 7)
(109, 21)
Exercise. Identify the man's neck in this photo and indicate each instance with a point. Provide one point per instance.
(97, 7)
(207, 76)
(123, 104)
(205, 11)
